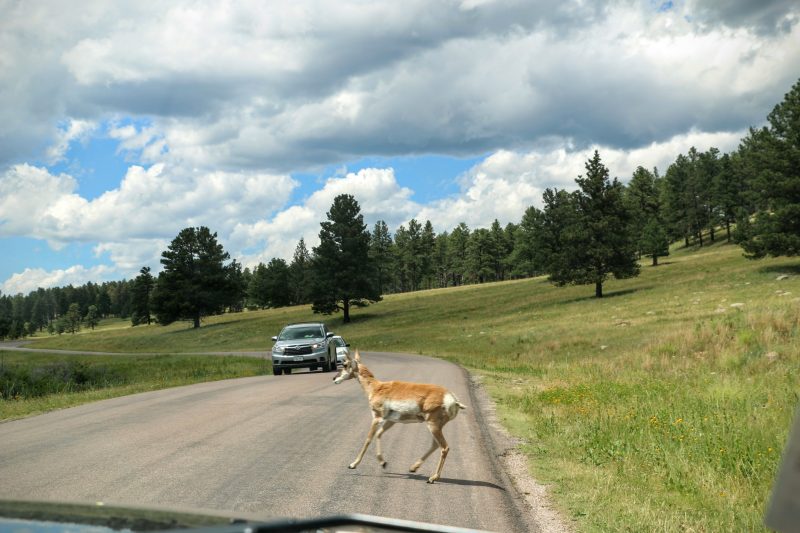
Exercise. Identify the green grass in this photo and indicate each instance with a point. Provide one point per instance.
(32, 383)
(659, 407)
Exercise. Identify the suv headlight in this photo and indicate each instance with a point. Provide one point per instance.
(277, 349)
(315, 346)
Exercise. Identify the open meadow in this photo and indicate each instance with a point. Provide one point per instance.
(663, 406)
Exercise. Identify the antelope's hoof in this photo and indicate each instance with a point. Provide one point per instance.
(431, 480)
(352, 466)
(383, 464)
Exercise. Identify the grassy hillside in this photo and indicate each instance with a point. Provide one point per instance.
(663, 406)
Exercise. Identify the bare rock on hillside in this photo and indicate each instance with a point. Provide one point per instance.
(782, 277)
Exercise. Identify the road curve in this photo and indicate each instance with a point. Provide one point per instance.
(277, 446)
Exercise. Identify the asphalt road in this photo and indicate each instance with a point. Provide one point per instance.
(277, 446)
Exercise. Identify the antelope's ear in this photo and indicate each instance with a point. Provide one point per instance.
(358, 357)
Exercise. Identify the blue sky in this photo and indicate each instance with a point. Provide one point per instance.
(126, 122)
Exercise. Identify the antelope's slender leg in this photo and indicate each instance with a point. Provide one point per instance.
(384, 427)
(372, 428)
(439, 436)
(427, 454)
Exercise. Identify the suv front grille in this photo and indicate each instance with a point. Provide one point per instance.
(297, 350)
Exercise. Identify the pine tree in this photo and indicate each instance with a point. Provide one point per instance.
(343, 273)
(140, 300)
(72, 318)
(457, 253)
(195, 281)
(653, 240)
(91, 317)
(773, 163)
(591, 239)
(300, 273)
(380, 253)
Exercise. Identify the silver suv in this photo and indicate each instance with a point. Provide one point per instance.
(305, 345)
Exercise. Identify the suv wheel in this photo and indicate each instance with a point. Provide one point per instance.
(287, 371)
(276, 371)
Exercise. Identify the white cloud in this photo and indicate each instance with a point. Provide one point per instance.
(377, 191)
(31, 279)
(296, 84)
(73, 130)
(507, 182)
(150, 202)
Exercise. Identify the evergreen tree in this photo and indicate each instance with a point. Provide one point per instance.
(730, 189)
(457, 253)
(441, 258)
(104, 301)
(594, 240)
(277, 290)
(143, 286)
(300, 273)
(677, 205)
(237, 287)
(72, 318)
(380, 253)
(92, 318)
(426, 250)
(257, 292)
(653, 240)
(709, 167)
(195, 282)
(641, 197)
(343, 273)
(773, 160)
(521, 259)
(481, 254)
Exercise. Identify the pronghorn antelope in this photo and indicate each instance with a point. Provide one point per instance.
(401, 401)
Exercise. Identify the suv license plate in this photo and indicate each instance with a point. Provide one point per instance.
(300, 359)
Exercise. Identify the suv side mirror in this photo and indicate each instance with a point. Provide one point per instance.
(347, 344)
(275, 338)
(329, 335)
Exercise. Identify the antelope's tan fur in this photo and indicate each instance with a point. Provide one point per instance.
(404, 402)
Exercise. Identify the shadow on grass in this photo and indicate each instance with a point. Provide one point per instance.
(606, 295)
(203, 326)
(781, 269)
(358, 317)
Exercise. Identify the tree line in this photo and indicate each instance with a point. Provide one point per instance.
(603, 228)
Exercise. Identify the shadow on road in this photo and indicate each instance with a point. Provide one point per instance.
(444, 480)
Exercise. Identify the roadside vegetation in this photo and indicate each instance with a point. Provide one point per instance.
(663, 406)
(33, 383)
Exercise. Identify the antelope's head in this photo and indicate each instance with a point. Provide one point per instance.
(349, 368)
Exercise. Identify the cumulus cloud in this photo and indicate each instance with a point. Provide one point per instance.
(149, 203)
(72, 130)
(506, 183)
(377, 191)
(291, 85)
(32, 278)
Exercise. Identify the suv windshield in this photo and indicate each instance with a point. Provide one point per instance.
(307, 332)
